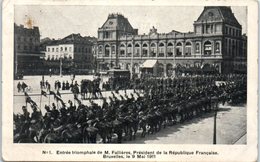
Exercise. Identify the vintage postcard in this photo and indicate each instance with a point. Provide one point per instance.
(152, 80)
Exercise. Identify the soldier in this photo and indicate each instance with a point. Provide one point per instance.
(19, 87)
(36, 115)
(67, 85)
(24, 86)
(63, 86)
(54, 112)
(26, 115)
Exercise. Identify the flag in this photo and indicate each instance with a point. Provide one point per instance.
(28, 99)
(44, 93)
(58, 94)
(26, 94)
(54, 95)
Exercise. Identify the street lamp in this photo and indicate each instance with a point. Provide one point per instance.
(61, 66)
(214, 101)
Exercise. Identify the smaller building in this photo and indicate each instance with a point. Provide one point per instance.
(74, 53)
(27, 55)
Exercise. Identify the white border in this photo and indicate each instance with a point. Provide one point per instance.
(33, 152)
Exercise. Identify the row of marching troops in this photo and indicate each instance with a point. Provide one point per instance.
(122, 117)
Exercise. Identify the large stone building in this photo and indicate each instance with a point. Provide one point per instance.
(73, 50)
(27, 55)
(215, 45)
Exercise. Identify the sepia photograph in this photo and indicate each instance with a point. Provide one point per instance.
(127, 77)
(127, 80)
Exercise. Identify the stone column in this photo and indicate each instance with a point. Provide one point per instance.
(157, 49)
(165, 49)
(183, 48)
(213, 48)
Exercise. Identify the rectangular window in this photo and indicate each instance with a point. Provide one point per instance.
(197, 47)
(113, 49)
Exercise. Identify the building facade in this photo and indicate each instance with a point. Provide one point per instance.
(74, 50)
(216, 45)
(27, 55)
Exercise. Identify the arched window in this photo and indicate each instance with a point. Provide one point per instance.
(129, 50)
(122, 50)
(153, 50)
(100, 49)
(188, 49)
(170, 50)
(161, 50)
(145, 50)
(113, 49)
(178, 49)
(137, 50)
(107, 51)
(207, 48)
(197, 48)
(217, 47)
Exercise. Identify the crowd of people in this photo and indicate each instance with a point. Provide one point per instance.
(155, 104)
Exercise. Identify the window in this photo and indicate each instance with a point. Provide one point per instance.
(197, 47)
(137, 50)
(170, 49)
(145, 50)
(153, 50)
(161, 50)
(49, 49)
(107, 34)
(52, 49)
(66, 49)
(209, 29)
(57, 49)
(70, 49)
(179, 49)
(61, 49)
(107, 50)
(113, 49)
(188, 49)
(129, 50)
(217, 47)
(207, 48)
(122, 50)
(100, 49)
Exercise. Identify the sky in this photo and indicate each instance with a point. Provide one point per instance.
(56, 21)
